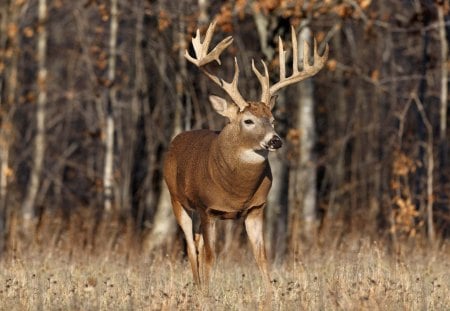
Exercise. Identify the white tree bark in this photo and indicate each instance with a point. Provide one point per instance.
(444, 71)
(203, 17)
(306, 175)
(108, 178)
(39, 142)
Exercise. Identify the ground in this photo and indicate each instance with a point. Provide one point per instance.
(360, 276)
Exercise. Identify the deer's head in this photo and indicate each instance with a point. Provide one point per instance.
(253, 122)
(253, 127)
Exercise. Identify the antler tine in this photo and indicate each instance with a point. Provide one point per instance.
(297, 75)
(295, 51)
(203, 58)
(282, 59)
(232, 88)
(264, 81)
(201, 48)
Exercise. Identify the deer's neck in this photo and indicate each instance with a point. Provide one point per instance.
(238, 169)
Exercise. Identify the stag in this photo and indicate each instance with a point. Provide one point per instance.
(226, 175)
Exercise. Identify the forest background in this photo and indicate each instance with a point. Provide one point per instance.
(91, 93)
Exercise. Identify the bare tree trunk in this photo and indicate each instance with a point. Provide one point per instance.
(8, 87)
(337, 198)
(429, 172)
(28, 212)
(444, 71)
(108, 178)
(5, 142)
(143, 115)
(443, 144)
(203, 17)
(160, 111)
(129, 119)
(306, 174)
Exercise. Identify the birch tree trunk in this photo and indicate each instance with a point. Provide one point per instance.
(444, 71)
(443, 148)
(28, 212)
(303, 178)
(108, 181)
(203, 17)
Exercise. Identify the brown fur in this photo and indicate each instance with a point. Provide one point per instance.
(206, 176)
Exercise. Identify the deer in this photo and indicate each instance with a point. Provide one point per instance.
(226, 174)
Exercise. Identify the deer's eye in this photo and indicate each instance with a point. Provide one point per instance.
(248, 121)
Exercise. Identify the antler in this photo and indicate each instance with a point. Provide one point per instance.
(268, 91)
(202, 57)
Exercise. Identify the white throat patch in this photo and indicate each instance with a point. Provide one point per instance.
(251, 156)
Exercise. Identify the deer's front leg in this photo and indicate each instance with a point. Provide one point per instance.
(208, 229)
(254, 227)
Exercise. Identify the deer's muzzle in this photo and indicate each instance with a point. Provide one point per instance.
(275, 143)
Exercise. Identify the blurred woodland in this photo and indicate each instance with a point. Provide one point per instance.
(92, 92)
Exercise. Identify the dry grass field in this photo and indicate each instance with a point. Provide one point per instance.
(359, 276)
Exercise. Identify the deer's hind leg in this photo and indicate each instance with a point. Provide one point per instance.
(185, 222)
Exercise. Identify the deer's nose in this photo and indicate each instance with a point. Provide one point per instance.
(275, 142)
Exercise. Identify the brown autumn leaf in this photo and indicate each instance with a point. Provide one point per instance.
(342, 10)
(364, 4)
(403, 165)
(269, 5)
(101, 63)
(240, 8)
(405, 215)
(104, 14)
(224, 18)
(31, 96)
(293, 135)
(163, 20)
(28, 32)
(12, 30)
(375, 75)
(332, 64)
(9, 52)
(395, 185)
(8, 171)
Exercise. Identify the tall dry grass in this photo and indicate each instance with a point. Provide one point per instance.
(363, 276)
(101, 267)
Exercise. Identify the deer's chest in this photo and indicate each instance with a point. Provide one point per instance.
(234, 202)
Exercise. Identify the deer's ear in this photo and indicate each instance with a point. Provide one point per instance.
(223, 107)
